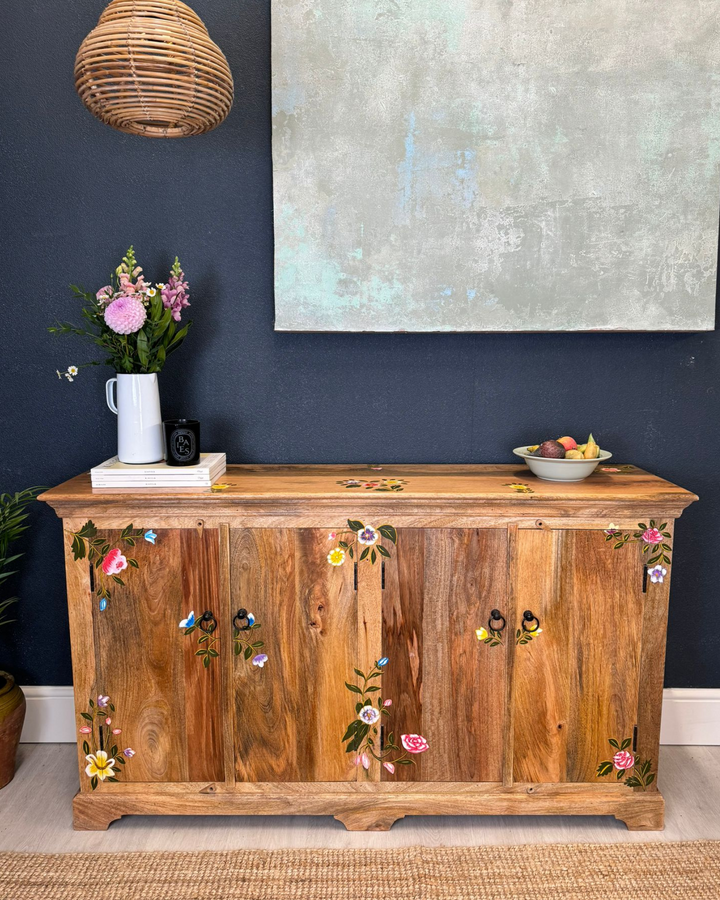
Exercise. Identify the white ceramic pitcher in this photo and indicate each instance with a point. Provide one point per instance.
(140, 429)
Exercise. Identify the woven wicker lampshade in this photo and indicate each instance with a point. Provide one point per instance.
(150, 68)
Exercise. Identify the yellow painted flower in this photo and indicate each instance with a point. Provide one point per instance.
(99, 765)
(481, 633)
(336, 557)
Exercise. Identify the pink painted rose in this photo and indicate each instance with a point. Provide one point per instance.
(365, 761)
(652, 536)
(390, 767)
(414, 743)
(623, 760)
(86, 729)
(387, 703)
(117, 731)
(114, 562)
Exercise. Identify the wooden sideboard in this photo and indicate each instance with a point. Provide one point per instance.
(491, 644)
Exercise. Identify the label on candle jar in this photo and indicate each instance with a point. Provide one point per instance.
(182, 444)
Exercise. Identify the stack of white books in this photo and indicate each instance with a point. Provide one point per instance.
(114, 474)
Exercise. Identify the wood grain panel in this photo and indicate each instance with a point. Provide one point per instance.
(541, 677)
(576, 684)
(441, 587)
(166, 703)
(290, 716)
(402, 608)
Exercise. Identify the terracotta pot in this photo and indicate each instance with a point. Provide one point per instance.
(12, 716)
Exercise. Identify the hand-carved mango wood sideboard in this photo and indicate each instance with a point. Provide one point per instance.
(370, 643)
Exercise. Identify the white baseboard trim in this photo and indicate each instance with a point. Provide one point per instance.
(50, 717)
(690, 716)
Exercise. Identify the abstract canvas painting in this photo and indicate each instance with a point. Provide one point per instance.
(495, 165)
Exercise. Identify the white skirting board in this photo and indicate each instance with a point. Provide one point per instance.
(690, 716)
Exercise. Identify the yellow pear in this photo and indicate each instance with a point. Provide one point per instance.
(592, 451)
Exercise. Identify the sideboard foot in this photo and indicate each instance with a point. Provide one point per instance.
(368, 820)
(649, 817)
(92, 813)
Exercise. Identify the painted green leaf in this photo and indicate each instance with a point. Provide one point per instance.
(355, 525)
(118, 580)
(613, 743)
(213, 652)
(372, 688)
(404, 762)
(373, 556)
(88, 530)
(633, 781)
(649, 780)
(625, 744)
(87, 716)
(387, 531)
(238, 649)
(343, 544)
(353, 687)
(206, 662)
(78, 548)
(642, 526)
(86, 747)
(620, 774)
(351, 553)
(258, 644)
(93, 782)
(382, 551)
(605, 768)
(133, 563)
(364, 554)
(351, 729)
(359, 673)
(248, 652)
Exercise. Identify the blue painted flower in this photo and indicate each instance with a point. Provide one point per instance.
(150, 536)
(368, 535)
(382, 662)
(251, 619)
(260, 660)
(103, 604)
(189, 622)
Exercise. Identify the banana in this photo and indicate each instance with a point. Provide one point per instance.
(592, 451)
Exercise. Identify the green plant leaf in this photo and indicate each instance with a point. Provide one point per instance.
(387, 531)
(650, 778)
(626, 743)
(373, 556)
(355, 525)
(93, 782)
(605, 768)
(86, 747)
(248, 652)
(359, 673)
(382, 551)
(364, 554)
(353, 687)
(87, 716)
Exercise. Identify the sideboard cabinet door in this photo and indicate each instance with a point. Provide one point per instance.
(291, 712)
(440, 586)
(575, 684)
(167, 704)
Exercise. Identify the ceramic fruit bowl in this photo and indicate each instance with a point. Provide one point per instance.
(561, 469)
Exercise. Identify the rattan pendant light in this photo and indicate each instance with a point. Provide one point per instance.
(150, 68)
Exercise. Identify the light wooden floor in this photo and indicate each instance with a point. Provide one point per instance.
(35, 816)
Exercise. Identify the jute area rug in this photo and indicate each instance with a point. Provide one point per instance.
(631, 871)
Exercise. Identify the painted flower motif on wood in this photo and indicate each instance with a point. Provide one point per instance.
(636, 772)
(519, 487)
(376, 484)
(208, 644)
(494, 638)
(363, 735)
(107, 561)
(101, 742)
(366, 536)
(655, 541)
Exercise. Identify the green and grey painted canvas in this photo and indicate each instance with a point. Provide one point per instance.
(496, 165)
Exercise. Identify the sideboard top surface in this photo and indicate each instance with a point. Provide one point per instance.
(479, 484)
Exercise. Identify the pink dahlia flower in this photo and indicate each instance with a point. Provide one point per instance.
(113, 563)
(126, 315)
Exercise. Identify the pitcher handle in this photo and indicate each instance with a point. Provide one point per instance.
(109, 394)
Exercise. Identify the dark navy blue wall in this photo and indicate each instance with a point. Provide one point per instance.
(75, 194)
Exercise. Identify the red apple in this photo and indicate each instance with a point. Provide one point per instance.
(568, 443)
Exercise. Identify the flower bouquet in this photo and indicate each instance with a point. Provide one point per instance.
(135, 323)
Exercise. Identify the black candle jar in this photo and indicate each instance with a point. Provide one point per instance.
(182, 442)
